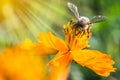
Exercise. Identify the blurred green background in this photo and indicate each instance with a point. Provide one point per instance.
(20, 19)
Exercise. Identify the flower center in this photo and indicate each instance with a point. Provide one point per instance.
(76, 36)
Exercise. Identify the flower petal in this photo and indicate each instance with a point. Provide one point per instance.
(98, 62)
(44, 50)
(60, 66)
(51, 43)
(26, 44)
(20, 64)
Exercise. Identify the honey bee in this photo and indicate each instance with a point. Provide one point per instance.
(82, 21)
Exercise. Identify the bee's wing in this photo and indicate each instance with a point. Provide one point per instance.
(73, 8)
(97, 19)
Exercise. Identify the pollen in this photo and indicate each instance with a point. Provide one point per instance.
(74, 35)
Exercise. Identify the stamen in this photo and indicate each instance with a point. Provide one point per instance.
(74, 35)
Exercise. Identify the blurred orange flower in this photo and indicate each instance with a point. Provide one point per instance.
(73, 49)
(22, 63)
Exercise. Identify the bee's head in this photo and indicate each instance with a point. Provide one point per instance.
(84, 22)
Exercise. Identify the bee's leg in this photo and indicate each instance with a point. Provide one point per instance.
(71, 21)
(88, 31)
(76, 26)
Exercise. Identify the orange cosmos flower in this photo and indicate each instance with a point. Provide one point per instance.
(22, 63)
(76, 40)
